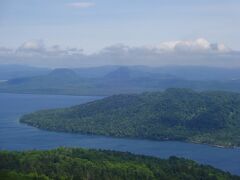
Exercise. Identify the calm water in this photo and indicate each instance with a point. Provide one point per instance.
(16, 136)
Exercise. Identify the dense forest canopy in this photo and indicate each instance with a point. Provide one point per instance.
(176, 114)
(77, 164)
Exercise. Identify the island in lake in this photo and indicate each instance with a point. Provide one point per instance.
(211, 117)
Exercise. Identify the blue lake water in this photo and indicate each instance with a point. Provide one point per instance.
(16, 136)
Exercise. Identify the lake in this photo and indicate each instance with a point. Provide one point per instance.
(16, 136)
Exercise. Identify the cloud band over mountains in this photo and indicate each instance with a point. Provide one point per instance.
(191, 52)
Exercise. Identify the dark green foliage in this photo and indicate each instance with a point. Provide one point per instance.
(13, 175)
(65, 163)
(176, 114)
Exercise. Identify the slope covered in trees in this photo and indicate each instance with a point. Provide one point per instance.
(64, 163)
(176, 114)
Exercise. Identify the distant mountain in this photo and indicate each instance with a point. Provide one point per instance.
(63, 72)
(59, 81)
(64, 75)
(201, 73)
(128, 73)
(18, 71)
(176, 114)
(181, 72)
(122, 73)
(111, 80)
(55, 77)
(95, 72)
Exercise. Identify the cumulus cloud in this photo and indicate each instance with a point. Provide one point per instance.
(81, 5)
(34, 46)
(193, 47)
(38, 48)
(200, 45)
(192, 52)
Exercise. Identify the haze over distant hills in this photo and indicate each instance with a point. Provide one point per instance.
(19, 71)
(182, 72)
(108, 80)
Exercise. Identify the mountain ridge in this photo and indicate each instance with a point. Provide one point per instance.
(117, 80)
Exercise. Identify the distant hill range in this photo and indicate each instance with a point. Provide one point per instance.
(18, 71)
(109, 80)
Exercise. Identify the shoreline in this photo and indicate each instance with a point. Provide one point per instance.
(215, 145)
(137, 138)
(49, 94)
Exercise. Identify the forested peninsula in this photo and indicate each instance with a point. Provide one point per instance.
(211, 117)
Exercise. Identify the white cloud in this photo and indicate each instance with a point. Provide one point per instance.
(192, 52)
(200, 45)
(38, 48)
(81, 5)
(34, 45)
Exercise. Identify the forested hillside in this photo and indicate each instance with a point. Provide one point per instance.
(77, 164)
(176, 114)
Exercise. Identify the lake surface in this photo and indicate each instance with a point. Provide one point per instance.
(16, 136)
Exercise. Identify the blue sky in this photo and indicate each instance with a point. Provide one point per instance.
(71, 33)
(102, 23)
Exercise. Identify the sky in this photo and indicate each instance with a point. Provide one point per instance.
(90, 29)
